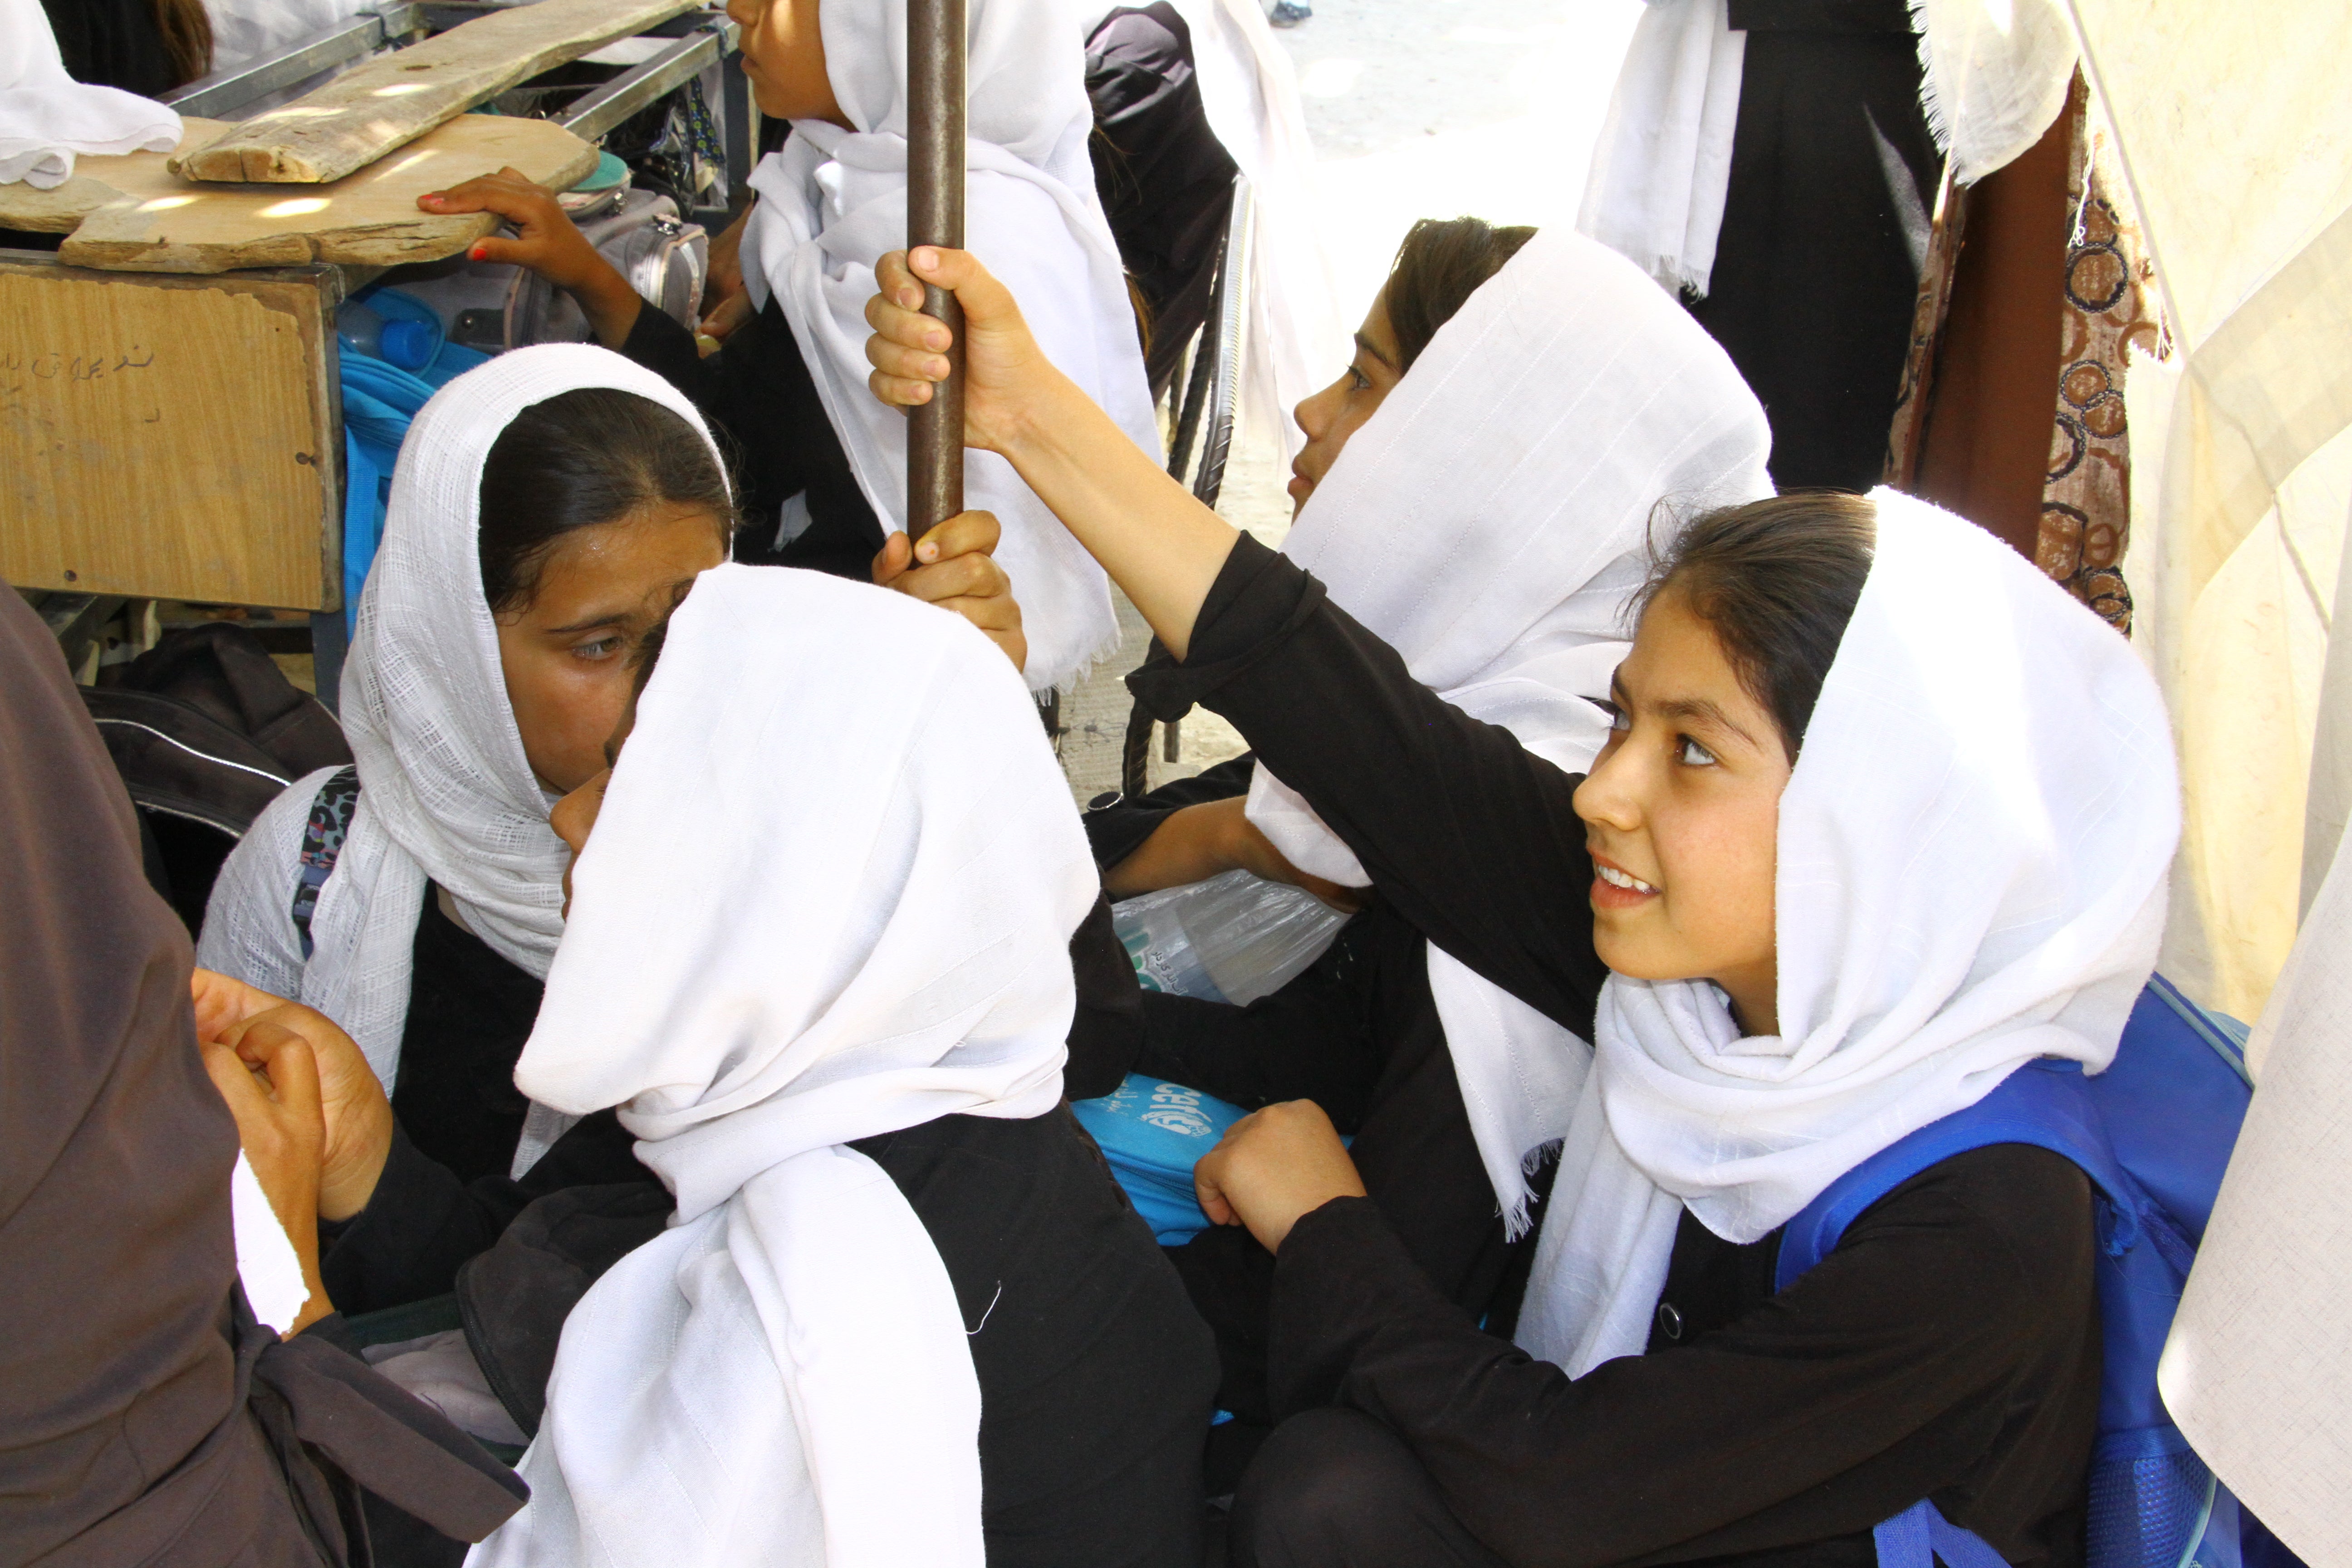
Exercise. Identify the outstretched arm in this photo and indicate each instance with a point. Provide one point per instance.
(1158, 544)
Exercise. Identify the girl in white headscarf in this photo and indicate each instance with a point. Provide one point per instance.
(789, 387)
(1490, 522)
(817, 956)
(547, 510)
(1884, 819)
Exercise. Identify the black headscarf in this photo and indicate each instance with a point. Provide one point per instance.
(145, 1416)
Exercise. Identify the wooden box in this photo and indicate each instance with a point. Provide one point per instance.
(171, 437)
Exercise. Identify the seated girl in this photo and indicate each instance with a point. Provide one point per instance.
(821, 462)
(1838, 858)
(150, 1417)
(817, 954)
(548, 508)
(1490, 524)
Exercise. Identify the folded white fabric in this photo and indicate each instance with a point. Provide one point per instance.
(1939, 925)
(46, 118)
(1492, 523)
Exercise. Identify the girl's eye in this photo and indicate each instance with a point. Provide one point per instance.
(1359, 381)
(602, 648)
(1692, 754)
(1617, 718)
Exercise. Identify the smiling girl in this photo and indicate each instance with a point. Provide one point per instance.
(1830, 856)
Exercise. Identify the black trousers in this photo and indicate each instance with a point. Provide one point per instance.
(1334, 1488)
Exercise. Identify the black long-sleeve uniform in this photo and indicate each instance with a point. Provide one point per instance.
(758, 398)
(1949, 1347)
(445, 1197)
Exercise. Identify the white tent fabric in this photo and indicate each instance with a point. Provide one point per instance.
(2258, 1372)
(2242, 469)
(2243, 460)
(46, 118)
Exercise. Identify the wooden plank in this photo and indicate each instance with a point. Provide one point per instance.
(98, 181)
(169, 437)
(159, 224)
(386, 103)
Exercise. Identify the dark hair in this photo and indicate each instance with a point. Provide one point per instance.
(1777, 580)
(1439, 266)
(582, 458)
(186, 30)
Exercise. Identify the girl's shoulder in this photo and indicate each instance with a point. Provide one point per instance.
(250, 930)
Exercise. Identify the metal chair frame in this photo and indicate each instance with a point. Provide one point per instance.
(1205, 411)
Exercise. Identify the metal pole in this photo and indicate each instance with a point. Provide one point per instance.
(934, 138)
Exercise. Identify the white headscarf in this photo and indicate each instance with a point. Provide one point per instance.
(1971, 874)
(833, 200)
(813, 910)
(46, 118)
(1491, 523)
(446, 794)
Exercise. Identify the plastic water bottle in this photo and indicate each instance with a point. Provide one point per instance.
(1233, 938)
(406, 344)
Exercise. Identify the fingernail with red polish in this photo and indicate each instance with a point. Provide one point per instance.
(479, 252)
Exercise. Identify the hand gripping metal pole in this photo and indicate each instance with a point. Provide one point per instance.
(934, 138)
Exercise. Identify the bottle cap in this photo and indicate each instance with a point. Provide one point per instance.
(411, 345)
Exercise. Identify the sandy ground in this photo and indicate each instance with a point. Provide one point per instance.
(1417, 109)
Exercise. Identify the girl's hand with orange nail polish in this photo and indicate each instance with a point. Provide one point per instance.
(547, 241)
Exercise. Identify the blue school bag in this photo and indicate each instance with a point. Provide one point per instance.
(2153, 1133)
(1153, 1132)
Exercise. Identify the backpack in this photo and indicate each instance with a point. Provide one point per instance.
(206, 730)
(2153, 1133)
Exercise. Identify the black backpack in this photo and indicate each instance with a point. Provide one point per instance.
(206, 730)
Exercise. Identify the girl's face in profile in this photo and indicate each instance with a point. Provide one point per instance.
(1340, 410)
(783, 59)
(565, 653)
(1682, 813)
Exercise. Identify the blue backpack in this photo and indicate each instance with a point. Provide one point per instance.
(2153, 1133)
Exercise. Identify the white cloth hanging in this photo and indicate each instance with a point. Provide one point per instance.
(1492, 523)
(834, 201)
(46, 118)
(1971, 872)
(1995, 77)
(1662, 167)
(2258, 1369)
(446, 794)
(830, 895)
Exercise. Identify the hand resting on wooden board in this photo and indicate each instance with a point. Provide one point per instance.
(548, 242)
